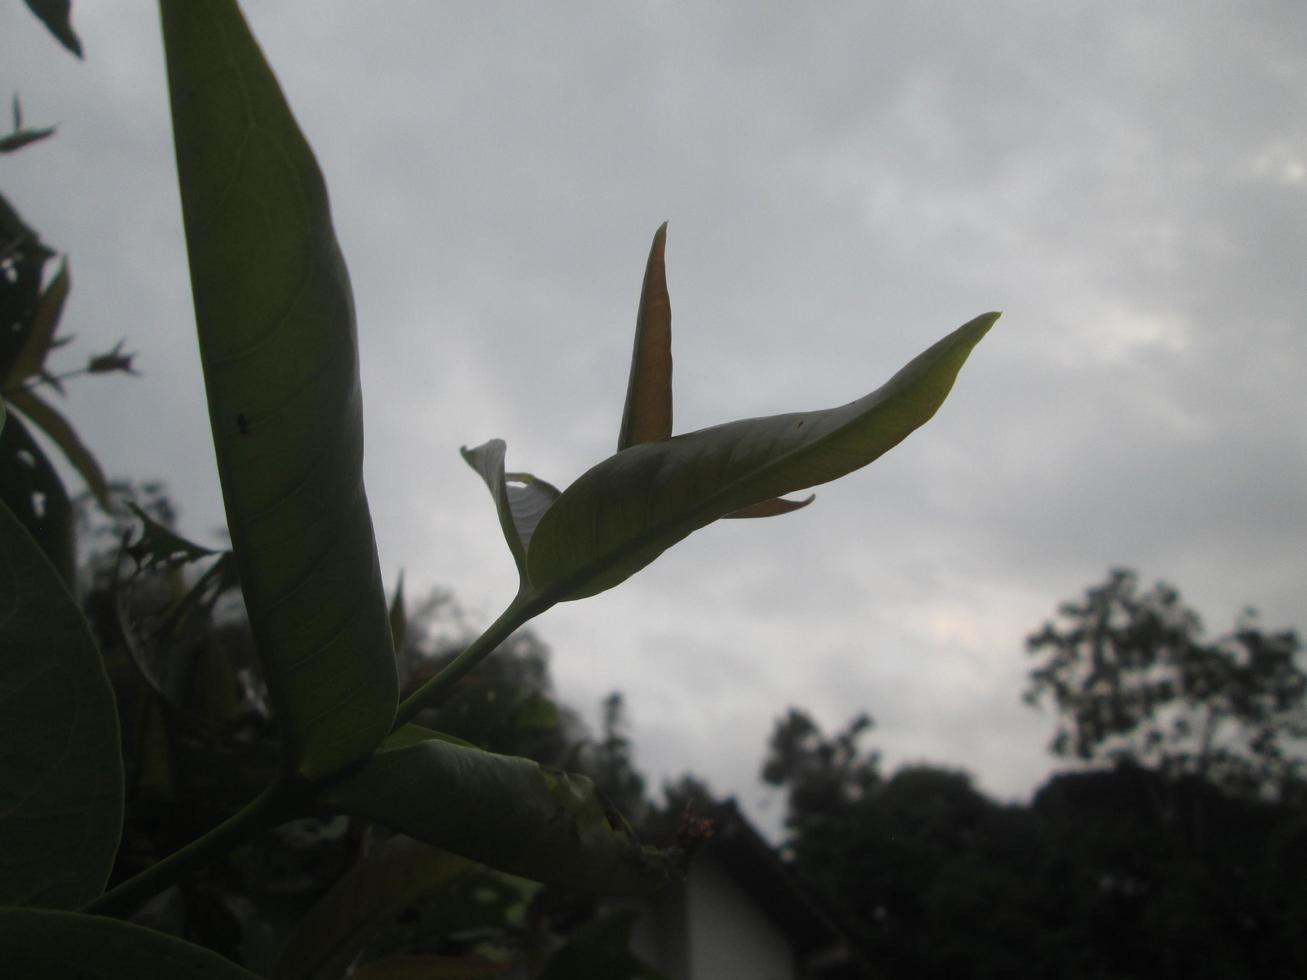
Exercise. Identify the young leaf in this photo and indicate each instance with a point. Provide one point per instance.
(647, 416)
(279, 350)
(520, 498)
(61, 798)
(504, 811)
(623, 513)
(44, 945)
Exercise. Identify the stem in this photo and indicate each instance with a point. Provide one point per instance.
(273, 806)
(435, 691)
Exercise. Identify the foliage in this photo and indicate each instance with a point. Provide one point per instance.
(1133, 679)
(235, 734)
(1111, 873)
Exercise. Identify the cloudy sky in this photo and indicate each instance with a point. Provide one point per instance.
(845, 183)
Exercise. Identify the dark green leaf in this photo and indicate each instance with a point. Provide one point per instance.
(32, 490)
(279, 350)
(624, 512)
(394, 876)
(57, 16)
(39, 339)
(398, 616)
(647, 416)
(60, 430)
(41, 945)
(61, 795)
(20, 138)
(428, 967)
(162, 546)
(504, 811)
(600, 950)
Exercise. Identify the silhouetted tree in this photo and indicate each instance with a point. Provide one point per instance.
(1133, 678)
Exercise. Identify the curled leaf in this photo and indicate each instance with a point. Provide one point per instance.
(520, 498)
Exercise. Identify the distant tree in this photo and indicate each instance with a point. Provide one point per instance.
(1134, 679)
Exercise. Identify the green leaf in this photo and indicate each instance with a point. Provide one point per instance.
(520, 498)
(39, 339)
(61, 432)
(601, 948)
(647, 416)
(20, 138)
(623, 513)
(56, 15)
(42, 945)
(397, 616)
(61, 776)
(32, 490)
(504, 811)
(394, 876)
(279, 350)
(428, 967)
(162, 546)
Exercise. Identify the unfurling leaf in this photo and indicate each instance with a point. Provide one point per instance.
(520, 498)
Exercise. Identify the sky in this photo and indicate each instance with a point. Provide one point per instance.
(844, 183)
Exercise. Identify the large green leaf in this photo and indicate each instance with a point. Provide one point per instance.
(623, 513)
(504, 811)
(43, 945)
(279, 349)
(61, 776)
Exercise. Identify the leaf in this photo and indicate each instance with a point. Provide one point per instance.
(56, 15)
(623, 513)
(504, 811)
(159, 545)
(394, 876)
(32, 490)
(520, 498)
(279, 350)
(773, 507)
(397, 617)
(20, 138)
(647, 416)
(43, 945)
(58, 428)
(431, 967)
(61, 788)
(601, 948)
(39, 339)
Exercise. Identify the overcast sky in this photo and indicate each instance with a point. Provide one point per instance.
(845, 183)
